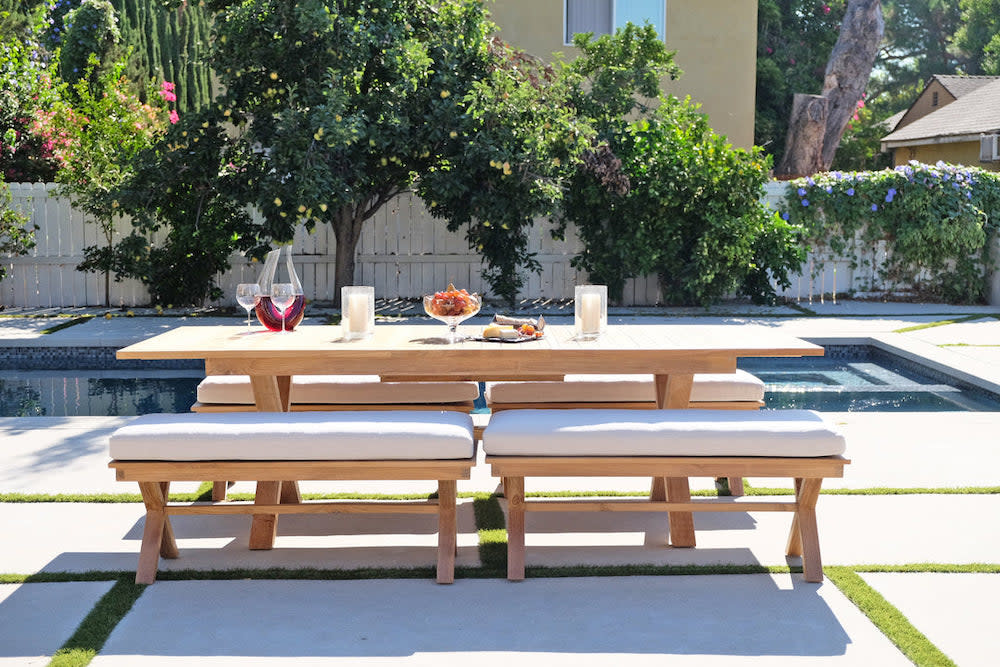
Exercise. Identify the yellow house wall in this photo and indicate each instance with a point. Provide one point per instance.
(715, 41)
(966, 153)
(923, 104)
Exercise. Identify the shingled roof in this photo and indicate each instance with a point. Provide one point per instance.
(973, 113)
(960, 85)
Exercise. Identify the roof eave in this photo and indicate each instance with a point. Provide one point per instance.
(924, 141)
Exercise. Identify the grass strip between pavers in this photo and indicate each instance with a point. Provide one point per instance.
(89, 637)
(67, 324)
(941, 323)
(887, 618)
(204, 494)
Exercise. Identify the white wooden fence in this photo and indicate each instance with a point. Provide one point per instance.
(403, 252)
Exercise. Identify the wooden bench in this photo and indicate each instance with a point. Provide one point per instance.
(277, 450)
(670, 446)
(709, 391)
(309, 393)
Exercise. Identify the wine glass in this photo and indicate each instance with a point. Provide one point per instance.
(247, 295)
(452, 307)
(282, 296)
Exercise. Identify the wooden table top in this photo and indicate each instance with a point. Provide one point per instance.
(419, 350)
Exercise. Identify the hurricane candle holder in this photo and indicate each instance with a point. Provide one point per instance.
(357, 309)
(591, 310)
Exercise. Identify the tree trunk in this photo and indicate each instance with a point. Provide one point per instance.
(847, 72)
(804, 143)
(347, 230)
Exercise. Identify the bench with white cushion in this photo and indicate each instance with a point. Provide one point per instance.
(670, 446)
(229, 393)
(279, 449)
(307, 393)
(714, 391)
(718, 391)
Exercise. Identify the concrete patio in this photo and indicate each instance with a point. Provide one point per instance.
(704, 619)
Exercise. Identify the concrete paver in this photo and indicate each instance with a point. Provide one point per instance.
(943, 606)
(579, 621)
(37, 618)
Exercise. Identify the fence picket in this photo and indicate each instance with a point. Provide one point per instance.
(403, 252)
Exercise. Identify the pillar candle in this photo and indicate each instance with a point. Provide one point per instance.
(357, 313)
(590, 313)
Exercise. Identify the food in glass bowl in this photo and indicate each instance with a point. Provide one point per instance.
(452, 303)
(451, 307)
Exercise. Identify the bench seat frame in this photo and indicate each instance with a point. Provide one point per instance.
(282, 497)
(670, 493)
(734, 483)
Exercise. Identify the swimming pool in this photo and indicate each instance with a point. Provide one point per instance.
(850, 378)
(73, 393)
(864, 378)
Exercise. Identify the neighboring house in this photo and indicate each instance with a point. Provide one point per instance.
(955, 119)
(715, 41)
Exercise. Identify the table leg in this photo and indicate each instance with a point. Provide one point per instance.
(681, 523)
(271, 393)
(673, 391)
(264, 527)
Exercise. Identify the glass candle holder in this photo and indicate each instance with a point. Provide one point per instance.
(357, 311)
(591, 310)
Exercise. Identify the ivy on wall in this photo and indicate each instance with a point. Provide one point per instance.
(934, 224)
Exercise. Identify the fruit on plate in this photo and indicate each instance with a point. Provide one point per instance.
(453, 303)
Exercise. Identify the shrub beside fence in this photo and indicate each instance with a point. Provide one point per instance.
(403, 252)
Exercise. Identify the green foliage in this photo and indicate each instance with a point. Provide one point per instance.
(520, 140)
(860, 146)
(168, 44)
(91, 36)
(27, 154)
(689, 206)
(105, 130)
(176, 188)
(351, 99)
(979, 35)
(935, 220)
(17, 237)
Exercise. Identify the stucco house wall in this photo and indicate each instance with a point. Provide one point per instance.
(715, 41)
(966, 152)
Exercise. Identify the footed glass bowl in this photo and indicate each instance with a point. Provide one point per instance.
(452, 307)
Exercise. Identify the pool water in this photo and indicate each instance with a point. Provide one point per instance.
(855, 378)
(863, 379)
(96, 393)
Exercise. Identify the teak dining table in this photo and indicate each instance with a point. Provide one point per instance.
(672, 353)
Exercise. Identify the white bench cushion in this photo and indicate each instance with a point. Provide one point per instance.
(723, 387)
(613, 432)
(298, 436)
(339, 389)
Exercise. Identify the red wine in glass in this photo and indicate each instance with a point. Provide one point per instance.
(270, 316)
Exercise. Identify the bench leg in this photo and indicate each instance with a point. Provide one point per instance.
(806, 495)
(447, 530)
(681, 523)
(514, 492)
(735, 486)
(168, 545)
(264, 527)
(290, 494)
(219, 490)
(157, 535)
(794, 547)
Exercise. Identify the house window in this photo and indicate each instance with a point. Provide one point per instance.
(603, 17)
(934, 99)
